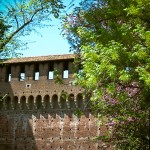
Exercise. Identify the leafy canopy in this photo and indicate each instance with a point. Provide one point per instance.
(20, 18)
(113, 40)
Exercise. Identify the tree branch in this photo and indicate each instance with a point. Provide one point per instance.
(16, 21)
(3, 44)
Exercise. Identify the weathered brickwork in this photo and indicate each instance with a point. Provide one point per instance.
(35, 114)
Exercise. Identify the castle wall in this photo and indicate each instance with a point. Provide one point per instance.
(38, 114)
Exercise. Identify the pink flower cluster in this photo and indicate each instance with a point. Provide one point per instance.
(110, 100)
(113, 101)
(131, 89)
(72, 20)
(130, 119)
(112, 123)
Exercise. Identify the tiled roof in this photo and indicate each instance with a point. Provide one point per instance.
(39, 58)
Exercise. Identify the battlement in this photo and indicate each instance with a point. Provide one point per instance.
(34, 67)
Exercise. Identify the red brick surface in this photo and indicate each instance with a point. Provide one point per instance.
(43, 127)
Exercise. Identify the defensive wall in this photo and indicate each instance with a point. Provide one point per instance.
(38, 114)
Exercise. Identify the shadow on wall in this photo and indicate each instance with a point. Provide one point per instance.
(36, 118)
(16, 132)
(31, 123)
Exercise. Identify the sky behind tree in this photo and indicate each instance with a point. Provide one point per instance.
(48, 40)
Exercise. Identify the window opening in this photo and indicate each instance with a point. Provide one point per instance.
(71, 101)
(80, 101)
(9, 77)
(15, 102)
(47, 101)
(22, 73)
(8, 74)
(51, 75)
(39, 102)
(23, 102)
(63, 102)
(65, 74)
(36, 76)
(8, 103)
(31, 102)
(55, 102)
(36, 72)
(65, 71)
(51, 71)
(22, 76)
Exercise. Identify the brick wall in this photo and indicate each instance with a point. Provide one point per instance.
(37, 115)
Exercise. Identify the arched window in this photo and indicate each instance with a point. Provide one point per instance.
(63, 101)
(8, 103)
(46, 101)
(15, 103)
(39, 102)
(80, 101)
(31, 102)
(23, 102)
(55, 101)
(71, 101)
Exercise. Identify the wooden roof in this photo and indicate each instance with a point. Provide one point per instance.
(38, 58)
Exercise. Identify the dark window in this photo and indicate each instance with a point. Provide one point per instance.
(65, 71)
(8, 73)
(22, 73)
(39, 102)
(51, 71)
(36, 72)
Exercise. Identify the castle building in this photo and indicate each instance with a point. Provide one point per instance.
(36, 113)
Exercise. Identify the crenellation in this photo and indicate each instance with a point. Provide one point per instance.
(6, 73)
(15, 70)
(43, 69)
(29, 71)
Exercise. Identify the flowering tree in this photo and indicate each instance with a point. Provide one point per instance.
(113, 40)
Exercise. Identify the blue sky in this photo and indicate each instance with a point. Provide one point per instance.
(50, 42)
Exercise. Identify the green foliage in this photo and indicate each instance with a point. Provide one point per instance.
(78, 113)
(20, 18)
(3, 27)
(113, 40)
(64, 94)
(57, 77)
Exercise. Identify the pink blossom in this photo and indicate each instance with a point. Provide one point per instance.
(130, 119)
(113, 101)
(110, 123)
(134, 84)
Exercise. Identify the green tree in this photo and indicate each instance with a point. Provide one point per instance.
(3, 28)
(20, 18)
(113, 40)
